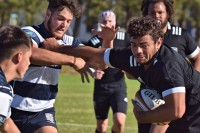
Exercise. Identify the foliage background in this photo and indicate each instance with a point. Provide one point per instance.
(32, 12)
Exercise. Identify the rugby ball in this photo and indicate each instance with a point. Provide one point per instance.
(149, 99)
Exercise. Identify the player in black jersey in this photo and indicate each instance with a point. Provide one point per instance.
(15, 52)
(157, 66)
(109, 85)
(174, 36)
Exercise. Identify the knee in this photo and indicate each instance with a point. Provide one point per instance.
(102, 126)
(118, 127)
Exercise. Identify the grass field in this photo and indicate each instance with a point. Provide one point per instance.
(74, 105)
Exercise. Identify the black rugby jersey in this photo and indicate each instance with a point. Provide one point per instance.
(168, 74)
(121, 41)
(181, 41)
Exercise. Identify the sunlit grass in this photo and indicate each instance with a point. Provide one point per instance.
(74, 105)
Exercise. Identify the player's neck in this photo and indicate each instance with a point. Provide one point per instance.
(164, 30)
(7, 72)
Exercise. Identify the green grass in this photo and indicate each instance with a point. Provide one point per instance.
(74, 105)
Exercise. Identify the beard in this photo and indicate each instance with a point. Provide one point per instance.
(50, 29)
(163, 25)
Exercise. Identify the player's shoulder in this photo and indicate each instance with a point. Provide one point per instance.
(70, 40)
(177, 30)
(121, 35)
(95, 40)
(30, 31)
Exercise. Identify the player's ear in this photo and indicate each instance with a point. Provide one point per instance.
(159, 42)
(17, 58)
(48, 14)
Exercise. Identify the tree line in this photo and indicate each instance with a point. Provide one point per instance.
(31, 12)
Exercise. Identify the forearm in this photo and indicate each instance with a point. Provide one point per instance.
(46, 57)
(84, 52)
(153, 116)
(174, 108)
(93, 56)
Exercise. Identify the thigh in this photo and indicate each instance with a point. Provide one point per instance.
(101, 101)
(46, 129)
(119, 118)
(119, 101)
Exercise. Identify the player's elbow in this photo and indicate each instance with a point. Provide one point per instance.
(179, 112)
(4, 128)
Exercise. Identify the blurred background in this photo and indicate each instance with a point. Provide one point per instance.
(29, 12)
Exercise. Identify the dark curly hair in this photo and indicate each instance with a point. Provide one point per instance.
(72, 5)
(141, 26)
(168, 4)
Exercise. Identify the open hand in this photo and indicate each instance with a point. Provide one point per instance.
(107, 33)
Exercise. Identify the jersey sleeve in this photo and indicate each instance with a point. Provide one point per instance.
(118, 58)
(5, 102)
(94, 42)
(33, 36)
(172, 78)
(192, 48)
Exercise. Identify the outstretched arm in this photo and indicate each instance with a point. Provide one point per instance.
(93, 56)
(46, 57)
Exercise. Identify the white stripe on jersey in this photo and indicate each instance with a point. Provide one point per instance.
(5, 102)
(32, 105)
(193, 54)
(173, 30)
(180, 89)
(42, 75)
(131, 61)
(106, 57)
(95, 40)
(135, 62)
(5, 87)
(180, 31)
(169, 26)
(176, 30)
(120, 36)
(32, 29)
(68, 40)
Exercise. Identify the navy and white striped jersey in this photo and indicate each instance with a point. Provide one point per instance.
(181, 41)
(6, 97)
(38, 89)
(170, 73)
(121, 41)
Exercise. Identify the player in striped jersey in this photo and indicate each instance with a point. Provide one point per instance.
(15, 55)
(35, 94)
(109, 86)
(174, 36)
